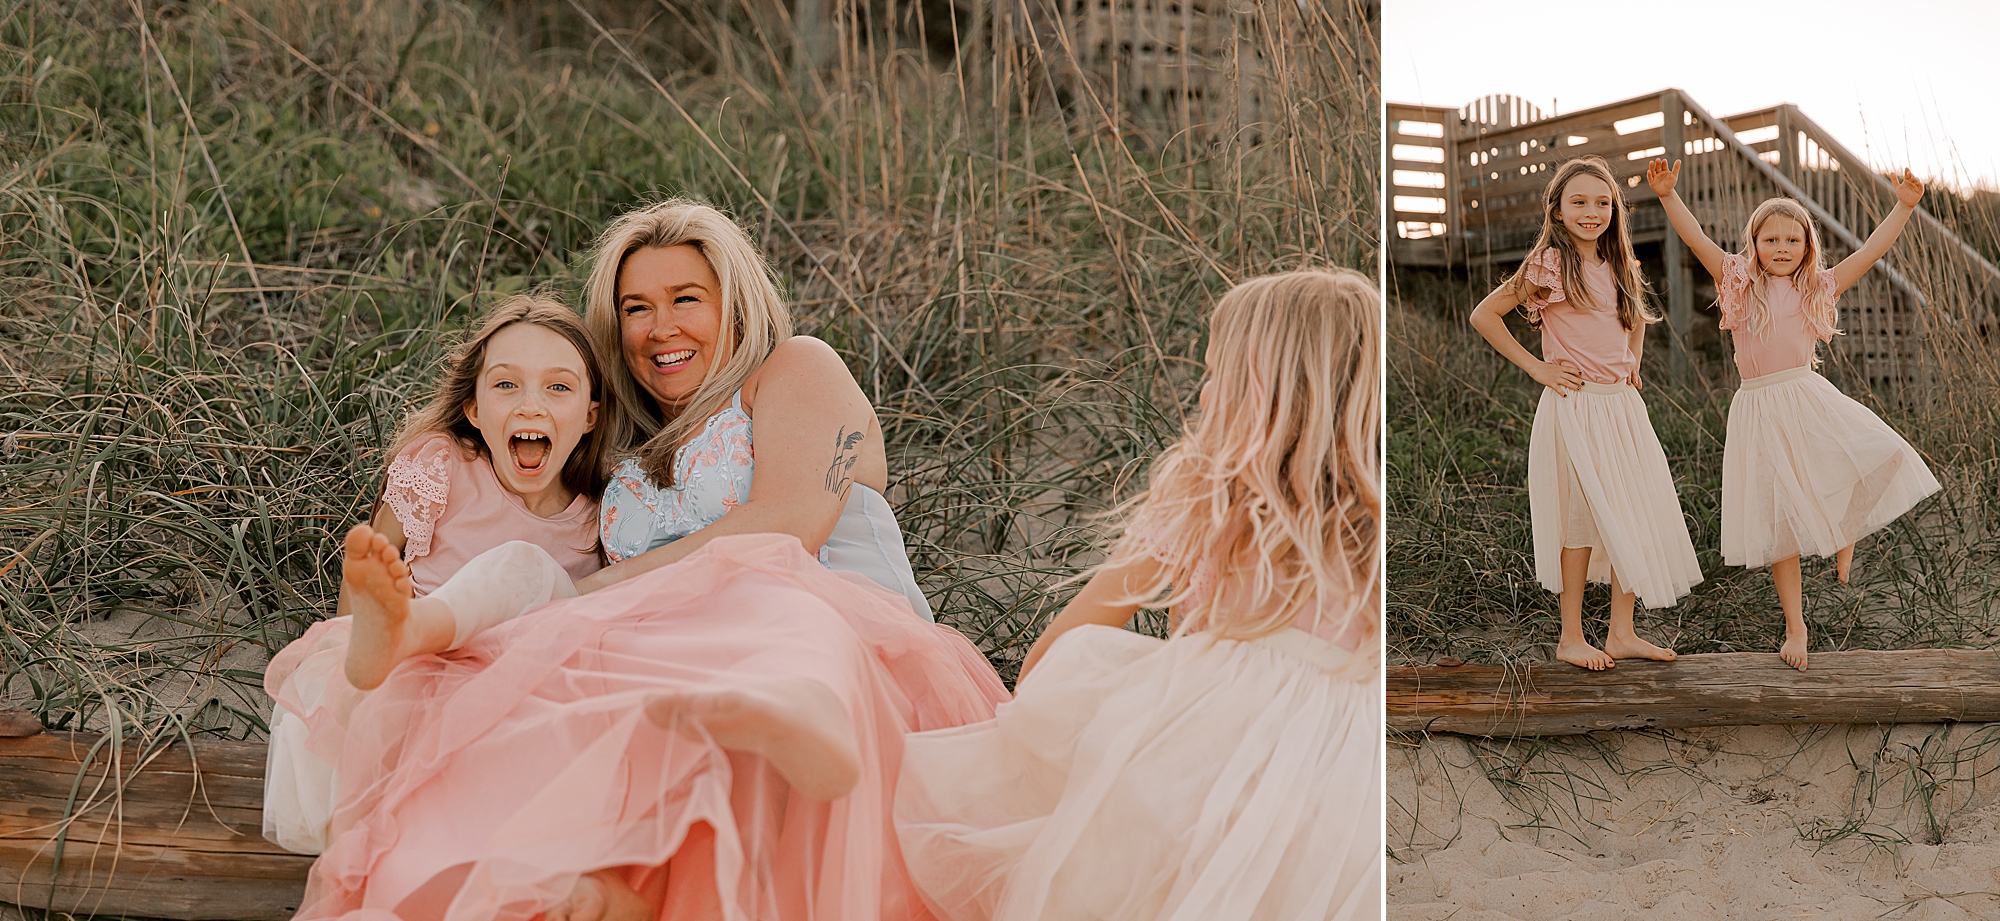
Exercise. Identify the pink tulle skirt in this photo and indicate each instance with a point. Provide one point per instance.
(480, 784)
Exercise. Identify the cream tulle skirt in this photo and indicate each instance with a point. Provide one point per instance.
(481, 783)
(1598, 478)
(1807, 470)
(1193, 780)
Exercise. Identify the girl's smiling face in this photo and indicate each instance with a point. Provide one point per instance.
(1781, 245)
(669, 320)
(1587, 206)
(532, 406)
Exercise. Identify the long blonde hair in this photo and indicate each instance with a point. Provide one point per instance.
(1614, 245)
(585, 472)
(1816, 296)
(754, 321)
(1275, 482)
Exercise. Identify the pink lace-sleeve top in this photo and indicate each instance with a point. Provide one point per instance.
(1588, 336)
(452, 508)
(1787, 342)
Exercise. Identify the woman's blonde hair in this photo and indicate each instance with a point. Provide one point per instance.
(585, 472)
(754, 321)
(1275, 483)
(1816, 294)
(1614, 246)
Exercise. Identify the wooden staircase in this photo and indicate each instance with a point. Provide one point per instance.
(1465, 190)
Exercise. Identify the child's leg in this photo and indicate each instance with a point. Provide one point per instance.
(1785, 575)
(1843, 563)
(1620, 641)
(390, 626)
(1572, 647)
(797, 724)
(602, 896)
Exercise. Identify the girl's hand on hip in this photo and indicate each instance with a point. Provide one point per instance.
(1661, 178)
(1559, 376)
(1634, 380)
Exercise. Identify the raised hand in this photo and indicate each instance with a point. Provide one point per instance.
(1909, 189)
(1557, 376)
(1661, 178)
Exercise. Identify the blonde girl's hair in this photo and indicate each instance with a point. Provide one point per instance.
(1816, 294)
(1275, 482)
(754, 321)
(585, 472)
(1614, 246)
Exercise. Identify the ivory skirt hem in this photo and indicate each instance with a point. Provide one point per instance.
(1598, 478)
(1806, 470)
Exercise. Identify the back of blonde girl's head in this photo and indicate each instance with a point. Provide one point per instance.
(1275, 483)
(1614, 245)
(585, 471)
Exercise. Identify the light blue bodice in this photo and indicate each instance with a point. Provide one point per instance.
(712, 474)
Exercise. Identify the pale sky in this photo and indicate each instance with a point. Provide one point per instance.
(1913, 83)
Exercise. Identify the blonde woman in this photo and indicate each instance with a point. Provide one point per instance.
(712, 729)
(1231, 772)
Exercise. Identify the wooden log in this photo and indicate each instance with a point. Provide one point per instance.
(123, 832)
(1721, 689)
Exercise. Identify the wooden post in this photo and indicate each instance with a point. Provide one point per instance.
(1680, 281)
(1717, 689)
(1788, 144)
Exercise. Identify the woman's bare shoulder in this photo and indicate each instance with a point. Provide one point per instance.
(801, 362)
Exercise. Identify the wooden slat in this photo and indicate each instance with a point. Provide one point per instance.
(1721, 689)
(167, 835)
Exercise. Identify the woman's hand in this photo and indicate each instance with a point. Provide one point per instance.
(1559, 376)
(1661, 178)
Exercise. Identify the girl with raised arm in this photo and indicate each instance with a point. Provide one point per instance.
(1805, 469)
(1602, 499)
(1229, 773)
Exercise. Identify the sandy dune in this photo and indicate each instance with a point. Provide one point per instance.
(1729, 823)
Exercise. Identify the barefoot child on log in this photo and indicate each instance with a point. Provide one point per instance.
(1602, 499)
(1228, 773)
(504, 456)
(1805, 469)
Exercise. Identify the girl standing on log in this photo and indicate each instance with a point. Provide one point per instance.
(506, 455)
(1229, 773)
(1601, 497)
(1805, 469)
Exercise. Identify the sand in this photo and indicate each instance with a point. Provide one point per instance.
(1751, 822)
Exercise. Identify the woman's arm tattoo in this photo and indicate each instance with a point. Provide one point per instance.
(846, 451)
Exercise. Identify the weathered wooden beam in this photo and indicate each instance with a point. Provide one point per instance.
(1720, 689)
(159, 835)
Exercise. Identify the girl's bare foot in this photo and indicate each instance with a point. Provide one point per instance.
(1794, 650)
(794, 723)
(1630, 646)
(1843, 563)
(1583, 655)
(601, 896)
(379, 596)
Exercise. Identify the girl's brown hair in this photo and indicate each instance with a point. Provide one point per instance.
(1614, 246)
(585, 472)
(754, 321)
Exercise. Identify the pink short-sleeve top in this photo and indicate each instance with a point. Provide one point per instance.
(1588, 336)
(453, 507)
(1788, 341)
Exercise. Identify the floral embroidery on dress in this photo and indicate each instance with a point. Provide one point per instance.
(418, 484)
(712, 475)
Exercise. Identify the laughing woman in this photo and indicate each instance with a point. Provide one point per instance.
(712, 729)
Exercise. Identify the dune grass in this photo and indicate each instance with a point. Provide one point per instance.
(1460, 552)
(238, 234)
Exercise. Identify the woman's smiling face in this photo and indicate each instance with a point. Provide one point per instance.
(669, 320)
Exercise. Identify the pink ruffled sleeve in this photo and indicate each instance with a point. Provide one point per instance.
(419, 483)
(1732, 290)
(1545, 270)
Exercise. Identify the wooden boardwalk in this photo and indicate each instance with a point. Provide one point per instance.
(1465, 189)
